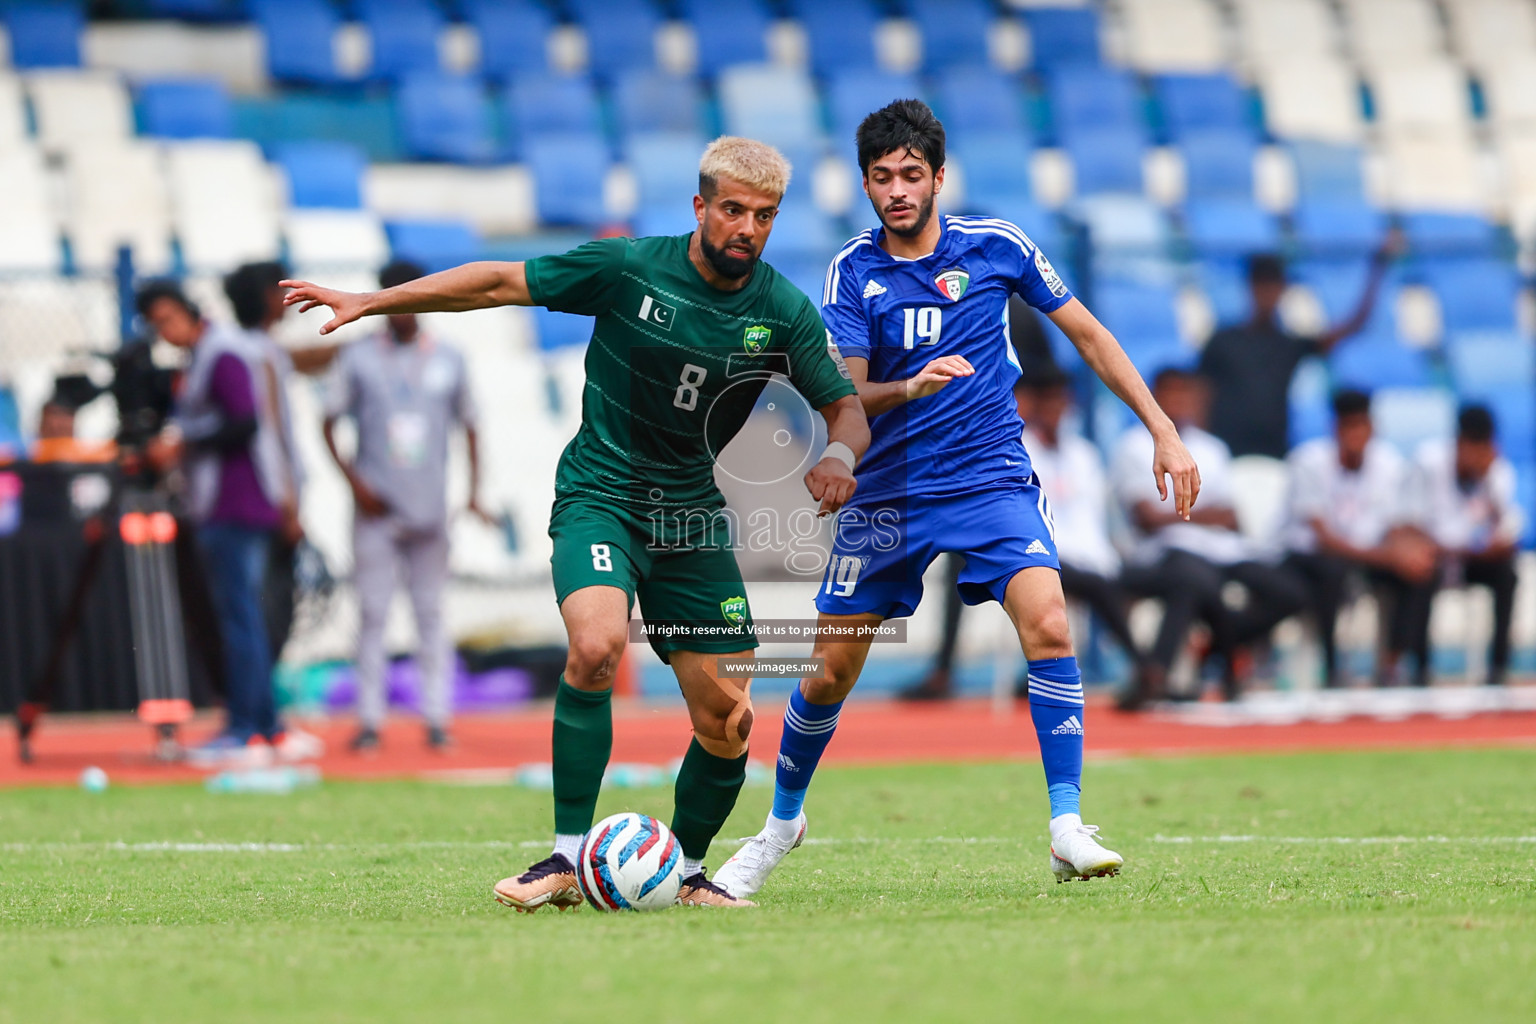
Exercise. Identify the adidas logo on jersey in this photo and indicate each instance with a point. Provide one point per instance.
(873, 288)
(1071, 727)
(786, 763)
(1036, 548)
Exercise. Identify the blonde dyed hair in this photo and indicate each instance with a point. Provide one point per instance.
(754, 164)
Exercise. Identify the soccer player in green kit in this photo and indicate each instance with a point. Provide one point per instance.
(685, 327)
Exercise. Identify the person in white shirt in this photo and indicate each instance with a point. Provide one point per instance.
(1186, 563)
(1468, 506)
(1349, 516)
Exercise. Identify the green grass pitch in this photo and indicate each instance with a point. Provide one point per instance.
(932, 902)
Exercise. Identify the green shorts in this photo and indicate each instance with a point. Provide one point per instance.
(691, 595)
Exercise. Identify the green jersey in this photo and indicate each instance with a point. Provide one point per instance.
(675, 366)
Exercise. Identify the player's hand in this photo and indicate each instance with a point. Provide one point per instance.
(345, 306)
(831, 483)
(1171, 459)
(936, 374)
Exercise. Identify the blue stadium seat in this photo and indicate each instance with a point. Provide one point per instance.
(1514, 417)
(371, 123)
(1104, 160)
(775, 104)
(1127, 223)
(541, 105)
(1201, 103)
(1225, 285)
(981, 101)
(954, 31)
(655, 101)
(435, 244)
(1474, 294)
(196, 10)
(513, 35)
(841, 33)
(1408, 416)
(1096, 98)
(1449, 234)
(807, 273)
(404, 34)
(568, 174)
(1326, 171)
(1489, 362)
(1377, 361)
(666, 169)
(995, 169)
(323, 174)
(1338, 285)
(1062, 37)
(728, 32)
(1337, 228)
(620, 36)
(443, 117)
(853, 95)
(1218, 162)
(186, 108)
(299, 36)
(801, 231)
(44, 35)
(1142, 316)
(560, 330)
(1229, 227)
(1525, 489)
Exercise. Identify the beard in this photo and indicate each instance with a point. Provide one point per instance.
(924, 215)
(724, 264)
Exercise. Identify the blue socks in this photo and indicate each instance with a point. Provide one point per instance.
(1056, 706)
(807, 731)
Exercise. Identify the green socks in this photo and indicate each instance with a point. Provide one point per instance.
(706, 792)
(583, 740)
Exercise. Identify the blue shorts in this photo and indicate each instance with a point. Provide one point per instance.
(880, 551)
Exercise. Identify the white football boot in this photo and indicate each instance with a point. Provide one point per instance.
(1075, 853)
(745, 873)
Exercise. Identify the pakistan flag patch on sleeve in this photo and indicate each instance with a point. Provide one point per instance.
(756, 339)
(734, 609)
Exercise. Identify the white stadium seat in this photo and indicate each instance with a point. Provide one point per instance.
(116, 196)
(1278, 31)
(13, 113)
(29, 234)
(1511, 92)
(1490, 34)
(1434, 171)
(1311, 98)
(334, 238)
(1172, 35)
(224, 203)
(1392, 31)
(1428, 95)
(1517, 159)
(79, 108)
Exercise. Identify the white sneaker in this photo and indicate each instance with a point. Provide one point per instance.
(1075, 853)
(295, 745)
(745, 873)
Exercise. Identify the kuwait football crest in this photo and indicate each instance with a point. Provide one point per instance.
(734, 609)
(756, 339)
(952, 284)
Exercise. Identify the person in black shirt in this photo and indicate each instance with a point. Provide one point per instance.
(1250, 365)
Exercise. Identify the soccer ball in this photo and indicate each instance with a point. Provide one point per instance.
(630, 862)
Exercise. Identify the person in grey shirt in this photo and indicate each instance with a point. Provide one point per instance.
(405, 392)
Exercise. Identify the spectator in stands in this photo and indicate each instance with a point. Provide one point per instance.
(1187, 563)
(1350, 516)
(1469, 509)
(231, 456)
(1250, 365)
(405, 392)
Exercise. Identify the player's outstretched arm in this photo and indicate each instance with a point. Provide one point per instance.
(472, 286)
(883, 396)
(1100, 350)
(831, 480)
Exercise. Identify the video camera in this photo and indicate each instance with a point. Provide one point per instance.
(141, 390)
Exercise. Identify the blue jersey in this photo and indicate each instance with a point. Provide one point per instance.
(901, 314)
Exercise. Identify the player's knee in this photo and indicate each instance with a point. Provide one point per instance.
(1047, 632)
(592, 661)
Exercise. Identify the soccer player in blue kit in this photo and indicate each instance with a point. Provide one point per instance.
(918, 309)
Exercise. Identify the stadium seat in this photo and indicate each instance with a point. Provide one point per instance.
(1475, 294)
(1337, 228)
(1433, 171)
(444, 118)
(223, 203)
(1229, 227)
(1514, 415)
(1275, 31)
(853, 95)
(1449, 234)
(1218, 163)
(981, 102)
(841, 33)
(1393, 32)
(1125, 223)
(1408, 416)
(1485, 363)
(13, 113)
(1193, 104)
(323, 174)
(1490, 34)
(1095, 98)
(1338, 285)
(1311, 98)
(995, 170)
(1061, 37)
(118, 196)
(1104, 160)
(196, 10)
(79, 108)
(1172, 35)
(560, 330)
(1375, 362)
(404, 37)
(620, 36)
(322, 239)
(775, 104)
(369, 122)
(568, 175)
(299, 37)
(954, 32)
(727, 32)
(801, 231)
(1327, 172)
(666, 170)
(45, 34)
(655, 101)
(435, 244)
(1429, 95)
(188, 108)
(29, 233)
(1142, 316)
(1225, 285)
(541, 105)
(513, 36)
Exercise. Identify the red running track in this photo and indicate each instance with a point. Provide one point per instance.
(870, 732)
